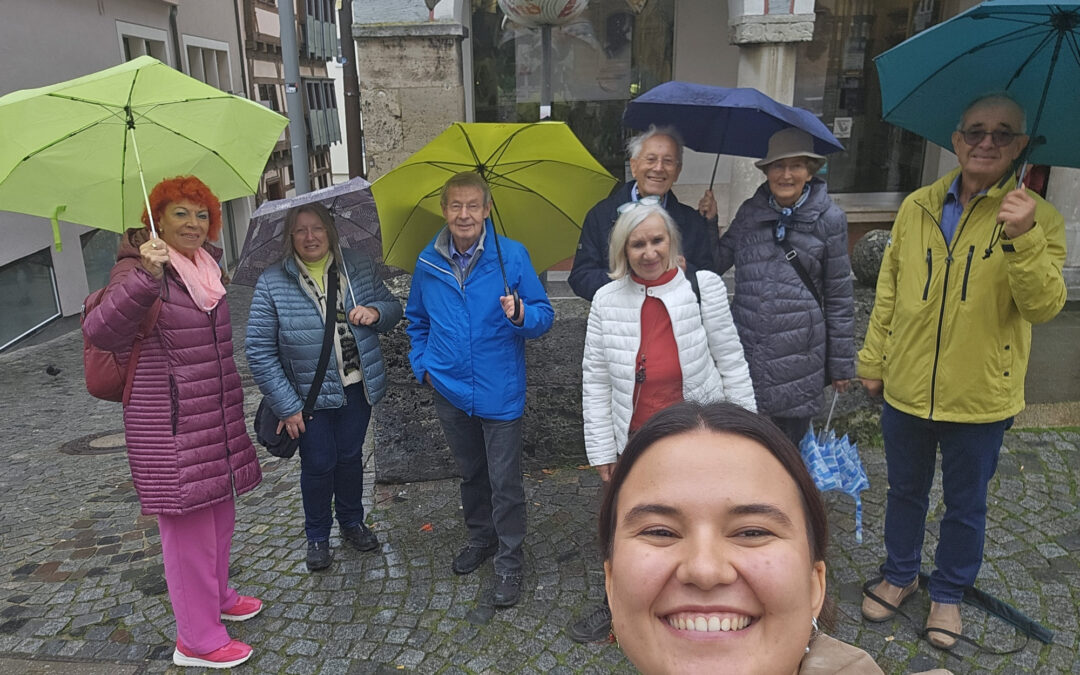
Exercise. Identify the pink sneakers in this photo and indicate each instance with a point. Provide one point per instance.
(245, 608)
(232, 654)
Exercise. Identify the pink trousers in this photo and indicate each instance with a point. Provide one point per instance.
(195, 547)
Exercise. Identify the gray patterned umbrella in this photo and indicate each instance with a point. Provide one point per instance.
(354, 213)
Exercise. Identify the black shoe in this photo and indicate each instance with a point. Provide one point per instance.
(471, 557)
(319, 555)
(360, 537)
(507, 590)
(593, 627)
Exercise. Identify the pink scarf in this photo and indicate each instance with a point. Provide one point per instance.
(201, 277)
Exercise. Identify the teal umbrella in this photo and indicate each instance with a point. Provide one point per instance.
(1024, 48)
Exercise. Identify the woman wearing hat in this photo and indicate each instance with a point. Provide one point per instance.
(793, 303)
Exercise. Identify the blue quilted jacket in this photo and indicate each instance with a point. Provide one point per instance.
(285, 334)
(792, 345)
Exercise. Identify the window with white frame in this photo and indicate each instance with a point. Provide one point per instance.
(208, 61)
(136, 41)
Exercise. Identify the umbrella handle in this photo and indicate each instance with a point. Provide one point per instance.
(517, 307)
(832, 408)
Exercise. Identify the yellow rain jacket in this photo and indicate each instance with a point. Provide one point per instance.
(950, 333)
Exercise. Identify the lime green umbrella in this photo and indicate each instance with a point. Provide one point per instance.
(85, 150)
(543, 182)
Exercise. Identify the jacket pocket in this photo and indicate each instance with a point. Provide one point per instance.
(174, 403)
(967, 272)
(929, 274)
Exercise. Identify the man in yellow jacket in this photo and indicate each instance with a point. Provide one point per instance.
(973, 261)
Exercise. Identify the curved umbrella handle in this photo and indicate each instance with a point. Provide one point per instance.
(517, 307)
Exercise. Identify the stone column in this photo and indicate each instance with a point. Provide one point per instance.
(766, 32)
(1062, 190)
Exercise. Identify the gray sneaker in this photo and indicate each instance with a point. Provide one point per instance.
(593, 627)
(319, 555)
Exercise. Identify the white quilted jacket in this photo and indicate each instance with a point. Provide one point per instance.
(710, 354)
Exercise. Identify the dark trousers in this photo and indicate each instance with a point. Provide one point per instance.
(488, 455)
(969, 456)
(332, 464)
(793, 427)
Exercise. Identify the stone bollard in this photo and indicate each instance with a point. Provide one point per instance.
(409, 443)
(866, 256)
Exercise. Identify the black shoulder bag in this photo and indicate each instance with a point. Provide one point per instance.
(266, 422)
(792, 256)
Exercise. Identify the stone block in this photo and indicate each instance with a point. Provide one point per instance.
(866, 256)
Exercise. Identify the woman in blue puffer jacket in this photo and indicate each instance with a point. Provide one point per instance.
(284, 340)
(793, 305)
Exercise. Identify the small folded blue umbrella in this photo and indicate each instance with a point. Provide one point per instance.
(724, 120)
(834, 464)
(1025, 48)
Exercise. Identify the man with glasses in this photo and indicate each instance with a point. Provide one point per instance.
(973, 261)
(655, 163)
(467, 335)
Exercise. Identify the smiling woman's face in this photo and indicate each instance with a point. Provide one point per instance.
(710, 568)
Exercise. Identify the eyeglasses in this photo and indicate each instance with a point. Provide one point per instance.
(999, 137)
(647, 200)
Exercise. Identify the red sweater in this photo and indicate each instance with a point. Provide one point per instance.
(657, 358)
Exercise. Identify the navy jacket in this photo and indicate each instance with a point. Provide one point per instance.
(792, 345)
(590, 270)
(285, 335)
(460, 336)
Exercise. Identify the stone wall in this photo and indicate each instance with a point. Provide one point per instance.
(410, 76)
(409, 444)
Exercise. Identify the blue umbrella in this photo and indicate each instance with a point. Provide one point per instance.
(727, 121)
(834, 464)
(1025, 48)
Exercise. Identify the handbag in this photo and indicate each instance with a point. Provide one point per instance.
(280, 444)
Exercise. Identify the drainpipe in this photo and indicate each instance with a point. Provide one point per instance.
(175, 39)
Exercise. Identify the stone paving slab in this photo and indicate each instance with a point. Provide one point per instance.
(81, 582)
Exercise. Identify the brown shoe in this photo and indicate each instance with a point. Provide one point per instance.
(943, 626)
(881, 603)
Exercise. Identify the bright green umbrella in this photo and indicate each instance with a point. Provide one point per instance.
(543, 182)
(85, 150)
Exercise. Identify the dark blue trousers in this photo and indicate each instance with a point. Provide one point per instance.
(332, 464)
(969, 456)
(488, 455)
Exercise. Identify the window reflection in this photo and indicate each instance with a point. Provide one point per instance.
(836, 79)
(30, 299)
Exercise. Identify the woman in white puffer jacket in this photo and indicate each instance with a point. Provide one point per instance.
(650, 341)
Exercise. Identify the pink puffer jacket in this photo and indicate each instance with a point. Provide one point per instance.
(186, 436)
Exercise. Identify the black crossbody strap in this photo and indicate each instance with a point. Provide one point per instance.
(328, 339)
(793, 257)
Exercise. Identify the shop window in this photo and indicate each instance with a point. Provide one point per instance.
(835, 78)
(29, 300)
(606, 56)
(99, 255)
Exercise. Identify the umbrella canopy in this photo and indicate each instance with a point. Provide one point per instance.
(727, 121)
(355, 218)
(73, 149)
(1027, 49)
(543, 181)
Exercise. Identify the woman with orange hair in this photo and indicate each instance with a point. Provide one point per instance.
(184, 416)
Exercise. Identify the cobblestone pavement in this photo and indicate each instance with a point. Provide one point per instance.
(82, 588)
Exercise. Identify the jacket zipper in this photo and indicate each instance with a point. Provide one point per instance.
(944, 294)
(929, 273)
(967, 271)
(212, 314)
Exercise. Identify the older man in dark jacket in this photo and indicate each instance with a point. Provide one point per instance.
(655, 162)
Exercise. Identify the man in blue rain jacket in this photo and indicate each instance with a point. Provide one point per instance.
(468, 343)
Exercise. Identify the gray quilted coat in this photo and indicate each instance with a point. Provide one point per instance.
(285, 334)
(793, 346)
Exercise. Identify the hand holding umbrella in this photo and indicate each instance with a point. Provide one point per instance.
(155, 255)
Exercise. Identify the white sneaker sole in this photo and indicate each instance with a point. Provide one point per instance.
(240, 617)
(180, 659)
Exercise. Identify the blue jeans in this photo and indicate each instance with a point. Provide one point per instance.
(488, 455)
(969, 457)
(332, 464)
